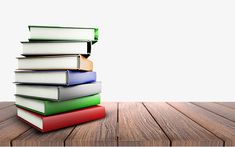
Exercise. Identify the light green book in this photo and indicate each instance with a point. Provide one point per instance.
(45, 107)
(63, 33)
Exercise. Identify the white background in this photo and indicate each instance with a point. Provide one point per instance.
(148, 50)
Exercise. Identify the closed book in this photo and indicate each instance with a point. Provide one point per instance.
(59, 77)
(54, 122)
(63, 33)
(56, 48)
(58, 93)
(69, 62)
(45, 107)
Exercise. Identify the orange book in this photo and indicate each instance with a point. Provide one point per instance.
(69, 62)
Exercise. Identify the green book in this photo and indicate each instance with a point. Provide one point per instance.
(46, 107)
(55, 33)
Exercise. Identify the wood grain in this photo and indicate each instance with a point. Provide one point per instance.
(101, 132)
(5, 104)
(181, 130)
(7, 112)
(221, 110)
(137, 127)
(221, 127)
(227, 104)
(34, 137)
(131, 124)
(10, 129)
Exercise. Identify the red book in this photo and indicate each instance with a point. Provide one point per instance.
(54, 122)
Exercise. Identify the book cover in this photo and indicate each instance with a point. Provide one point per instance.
(54, 122)
(45, 107)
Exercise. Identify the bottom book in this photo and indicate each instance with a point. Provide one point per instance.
(54, 122)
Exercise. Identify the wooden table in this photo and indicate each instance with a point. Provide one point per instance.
(147, 123)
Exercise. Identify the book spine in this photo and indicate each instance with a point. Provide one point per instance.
(69, 105)
(73, 77)
(96, 32)
(89, 43)
(85, 64)
(71, 118)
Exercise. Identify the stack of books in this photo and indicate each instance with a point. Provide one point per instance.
(56, 86)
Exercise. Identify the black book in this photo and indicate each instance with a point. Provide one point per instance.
(56, 48)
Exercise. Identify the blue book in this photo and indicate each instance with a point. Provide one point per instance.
(60, 77)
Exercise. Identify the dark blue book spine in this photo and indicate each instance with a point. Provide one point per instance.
(78, 77)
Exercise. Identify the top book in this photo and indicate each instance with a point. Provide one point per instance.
(54, 33)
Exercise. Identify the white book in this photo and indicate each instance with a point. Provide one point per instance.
(72, 62)
(56, 47)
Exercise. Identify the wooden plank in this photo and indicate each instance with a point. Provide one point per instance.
(221, 127)
(181, 130)
(34, 137)
(218, 109)
(7, 113)
(137, 127)
(227, 104)
(5, 104)
(10, 129)
(100, 132)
